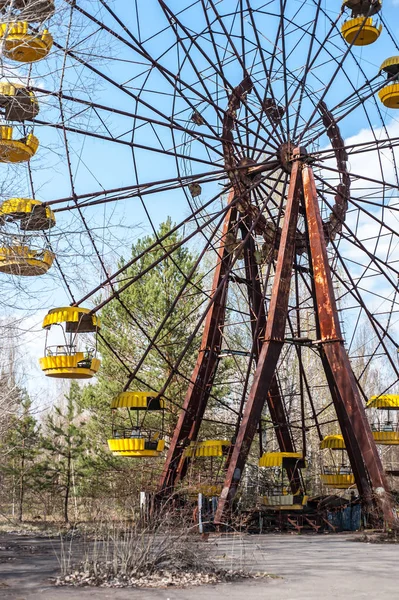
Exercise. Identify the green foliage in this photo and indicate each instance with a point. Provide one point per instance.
(128, 326)
(20, 449)
(66, 444)
(71, 458)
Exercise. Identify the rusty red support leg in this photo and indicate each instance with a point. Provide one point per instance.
(202, 378)
(271, 348)
(360, 445)
(273, 396)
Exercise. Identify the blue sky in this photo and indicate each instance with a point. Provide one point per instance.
(98, 164)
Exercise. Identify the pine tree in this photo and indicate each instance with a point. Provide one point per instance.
(66, 446)
(20, 448)
(128, 325)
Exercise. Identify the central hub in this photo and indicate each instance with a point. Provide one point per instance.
(287, 153)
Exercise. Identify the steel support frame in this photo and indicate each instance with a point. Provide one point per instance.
(200, 385)
(362, 450)
(271, 347)
(273, 397)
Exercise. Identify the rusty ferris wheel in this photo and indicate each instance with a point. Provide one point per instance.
(247, 108)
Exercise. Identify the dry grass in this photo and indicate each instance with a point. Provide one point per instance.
(160, 554)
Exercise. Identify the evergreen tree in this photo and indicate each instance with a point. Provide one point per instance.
(20, 447)
(127, 326)
(65, 443)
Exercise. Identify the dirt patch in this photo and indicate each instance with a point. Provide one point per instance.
(378, 538)
(161, 579)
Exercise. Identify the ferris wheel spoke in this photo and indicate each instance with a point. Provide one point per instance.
(261, 126)
(220, 72)
(360, 102)
(57, 262)
(359, 148)
(387, 26)
(371, 95)
(322, 45)
(382, 266)
(154, 245)
(222, 284)
(154, 342)
(143, 188)
(379, 345)
(172, 77)
(277, 128)
(340, 64)
(355, 202)
(306, 70)
(378, 328)
(283, 4)
(169, 76)
(169, 123)
(187, 54)
(149, 385)
(89, 133)
(357, 177)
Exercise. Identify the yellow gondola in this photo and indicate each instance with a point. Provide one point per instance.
(389, 95)
(281, 459)
(361, 29)
(66, 360)
(206, 474)
(19, 254)
(333, 442)
(21, 45)
(19, 103)
(135, 441)
(388, 433)
(207, 448)
(384, 402)
(207, 490)
(25, 261)
(279, 497)
(16, 151)
(31, 214)
(340, 478)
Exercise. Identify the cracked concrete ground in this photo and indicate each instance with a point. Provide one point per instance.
(310, 567)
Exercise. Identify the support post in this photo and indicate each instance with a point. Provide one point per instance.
(273, 397)
(362, 450)
(271, 347)
(200, 385)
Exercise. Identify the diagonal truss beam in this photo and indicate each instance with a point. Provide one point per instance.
(200, 386)
(273, 398)
(271, 348)
(359, 441)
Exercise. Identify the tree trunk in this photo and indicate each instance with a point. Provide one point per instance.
(21, 484)
(67, 489)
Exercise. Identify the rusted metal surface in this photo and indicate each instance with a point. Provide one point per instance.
(200, 385)
(274, 112)
(333, 225)
(271, 349)
(361, 448)
(241, 180)
(273, 397)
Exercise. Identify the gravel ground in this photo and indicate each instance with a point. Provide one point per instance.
(310, 567)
